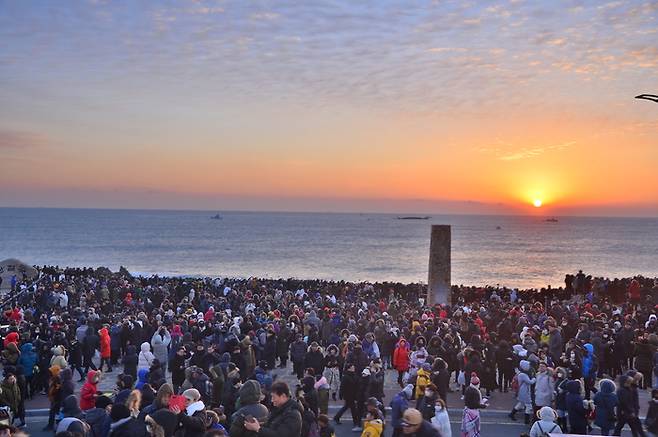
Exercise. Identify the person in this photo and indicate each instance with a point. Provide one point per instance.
(124, 424)
(426, 403)
(399, 405)
(54, 396)
(326, 430)
(72, 417)
(28, 360)
(605, 401)
(423, 378)
(349, 387)
(544, 386)
(441, 420)
(523, 397)
(105, 348)
(10, 393)
(298, 350)
(250, 406)
(651, 421)
(89, 390)
(161, 423)
(546, 424)
(160, 341)
(373, 425)
(124, 387)
(285, 419)
(576, 410)
(146, 357)
(590, 368)
(98, 418)
(162, 398)
(192, 418)
(414, 425)
(627, 409)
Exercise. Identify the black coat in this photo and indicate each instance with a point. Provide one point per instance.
(349, 386)
(285, 421)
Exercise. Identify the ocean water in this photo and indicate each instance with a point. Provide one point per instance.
(525, 252)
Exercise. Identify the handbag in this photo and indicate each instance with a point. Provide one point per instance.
(461, 378)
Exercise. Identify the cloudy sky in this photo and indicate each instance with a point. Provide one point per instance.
(450, 106)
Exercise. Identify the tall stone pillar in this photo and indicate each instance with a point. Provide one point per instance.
(438, 284)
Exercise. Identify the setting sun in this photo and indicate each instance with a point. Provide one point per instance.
(537, 203)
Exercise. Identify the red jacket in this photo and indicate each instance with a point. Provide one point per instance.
(106, 351)
(12, 337)
(88, 392)
(401, 356)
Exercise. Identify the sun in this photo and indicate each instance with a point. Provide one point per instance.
(537, 203)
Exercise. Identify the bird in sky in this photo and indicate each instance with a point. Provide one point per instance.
(652, 97)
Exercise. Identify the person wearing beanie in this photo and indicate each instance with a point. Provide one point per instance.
(412, 424)
(123, 424)
(576, 409)
(546, 423)
(124, 387)
(399, 405)
(423, 378)
(250, 405)
(523, 397)
(192, 418)
(605, 401)
(161, 423)
(473, 395)
(10, 393)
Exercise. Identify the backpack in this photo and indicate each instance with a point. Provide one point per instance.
(543, 433)
(515, 384)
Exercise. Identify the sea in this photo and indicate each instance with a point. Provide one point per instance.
(512, 251)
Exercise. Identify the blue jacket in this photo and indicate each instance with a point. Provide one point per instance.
(398, 405)
(142, 378)
(28, 359)
(589, 362)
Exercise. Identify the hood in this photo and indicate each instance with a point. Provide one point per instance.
(12, 347)
(225, 358)
(70, 407)
(142, 375)
(57, 351)
(547, 414)
(157, 339)
(250, 392)
(165, 389)
(104, 333)
(623, 379)
(27, 348)
(607, 386)
(573, 387)
(145, 347)
(589, 348)
(375, 426)
(90, 376)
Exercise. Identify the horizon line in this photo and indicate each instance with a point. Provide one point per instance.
(296, 211)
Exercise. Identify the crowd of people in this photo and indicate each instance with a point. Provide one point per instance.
(196, 356)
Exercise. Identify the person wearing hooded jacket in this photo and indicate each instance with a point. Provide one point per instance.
(399, 404)
(401, 359)
(98, 418)
(250, 405)
(349, 387)
(105, 348)
(89, 390)
(130, 361)
(606, 402)
(146, 357)
(160, 342)
(546, 423)
(28, 360)
(162, 423)
(124, 425)
(590, 368)
(576, 411)
(523, 397)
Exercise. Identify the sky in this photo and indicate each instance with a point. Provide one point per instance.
(382, 106)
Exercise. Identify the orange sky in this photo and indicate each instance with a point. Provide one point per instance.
(495, 106)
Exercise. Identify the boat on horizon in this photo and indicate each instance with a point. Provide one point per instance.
(551, 220)
(216, 217)
(413, 217)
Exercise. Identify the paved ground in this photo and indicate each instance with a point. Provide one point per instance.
(494, 419)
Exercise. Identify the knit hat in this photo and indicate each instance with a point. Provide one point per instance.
(192, 394)
(474, 379)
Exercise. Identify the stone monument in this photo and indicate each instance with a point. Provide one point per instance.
(438, 284)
